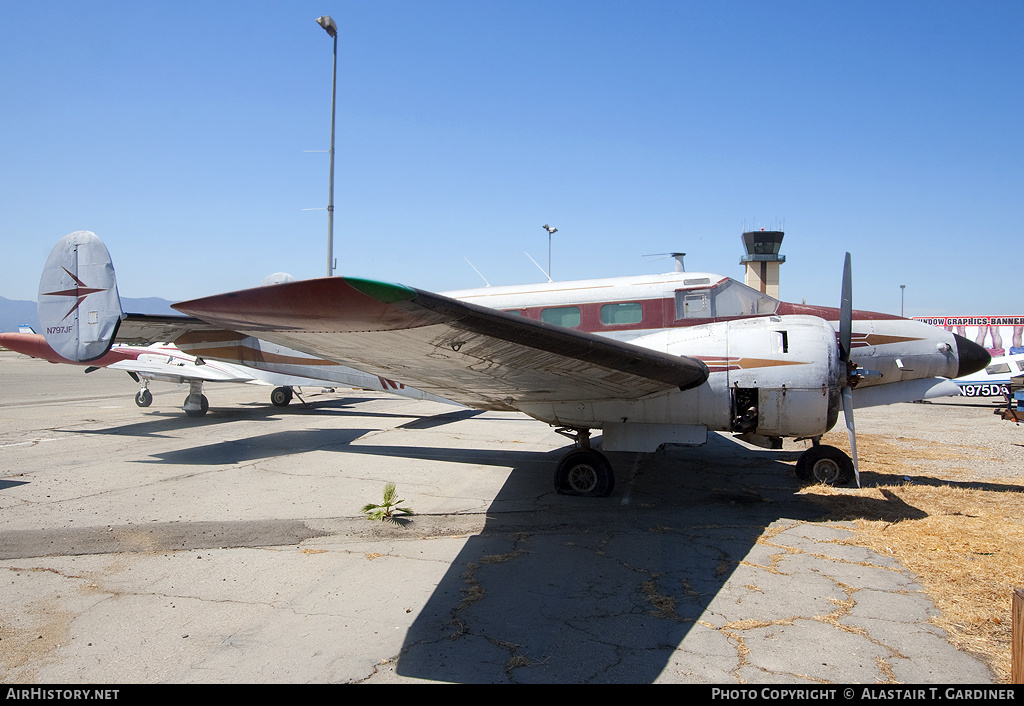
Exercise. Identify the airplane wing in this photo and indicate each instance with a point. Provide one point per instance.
(144, 329)
(162, 365)
(470, 354)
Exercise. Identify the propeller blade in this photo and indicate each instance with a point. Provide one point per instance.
(845, 337)
(846, 313)
(848, 414)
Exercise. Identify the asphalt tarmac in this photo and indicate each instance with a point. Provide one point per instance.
(143, 546)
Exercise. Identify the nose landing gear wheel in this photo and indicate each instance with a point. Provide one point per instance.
(825, 464)
(584, 472)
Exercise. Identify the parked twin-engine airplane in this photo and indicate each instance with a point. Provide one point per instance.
(649, 360)
(160, 362)
(163, 362)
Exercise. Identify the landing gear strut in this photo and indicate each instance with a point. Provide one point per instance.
(583, 471)
(825, 464)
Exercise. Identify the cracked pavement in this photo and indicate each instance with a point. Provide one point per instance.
(142, 546)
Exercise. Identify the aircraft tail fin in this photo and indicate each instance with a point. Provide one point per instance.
(79, 308)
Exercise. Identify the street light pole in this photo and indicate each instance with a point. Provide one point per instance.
(903, 288)
(550, 231)
(332, 29)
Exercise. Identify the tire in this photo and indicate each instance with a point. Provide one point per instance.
(825, 464)
(281, 396)
(144, 398)
(204, 406)
(584, 473)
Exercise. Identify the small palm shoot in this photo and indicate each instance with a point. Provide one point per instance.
(386, 510)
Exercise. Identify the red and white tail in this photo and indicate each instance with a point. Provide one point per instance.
(79, 308)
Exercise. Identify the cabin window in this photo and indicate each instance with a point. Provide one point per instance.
(997, 369)
(624, 313)
(515, 312)
(567, 316)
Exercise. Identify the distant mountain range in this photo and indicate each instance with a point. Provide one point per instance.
(15, 313)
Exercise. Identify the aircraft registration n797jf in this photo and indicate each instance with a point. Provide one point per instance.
(649, 360)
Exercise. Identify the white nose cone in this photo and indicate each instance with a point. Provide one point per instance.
(79, 309)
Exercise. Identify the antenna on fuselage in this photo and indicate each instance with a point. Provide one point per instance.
(677, 255)
(538, 266)
(476, 270)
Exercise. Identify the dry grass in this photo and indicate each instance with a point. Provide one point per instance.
(962, 538)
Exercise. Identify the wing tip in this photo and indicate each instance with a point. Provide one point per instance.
(386, 292)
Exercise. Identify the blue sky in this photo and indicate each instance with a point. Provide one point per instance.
(178, 133)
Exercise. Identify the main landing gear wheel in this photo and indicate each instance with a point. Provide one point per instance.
(584, 472)
(281, 396)
(204, 406)
(143, 398)
(825, 464)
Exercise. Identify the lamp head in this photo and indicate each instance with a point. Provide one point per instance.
(328, 24)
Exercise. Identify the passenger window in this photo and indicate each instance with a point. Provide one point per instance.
(626, 313)
(567, 316)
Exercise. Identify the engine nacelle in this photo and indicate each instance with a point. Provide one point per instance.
(782, 375)
(770, 377)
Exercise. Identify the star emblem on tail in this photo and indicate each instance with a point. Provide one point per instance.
(80, 292)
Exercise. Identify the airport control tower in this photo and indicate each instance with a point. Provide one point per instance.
(762, 260)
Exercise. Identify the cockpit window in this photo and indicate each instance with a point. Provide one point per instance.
(730, 298)
(998, 369)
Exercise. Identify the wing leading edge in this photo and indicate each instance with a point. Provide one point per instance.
(470, 354)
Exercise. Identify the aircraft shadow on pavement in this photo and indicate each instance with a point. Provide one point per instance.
(260, 446)
(597, 590)
(606, 590)
(161, 422)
